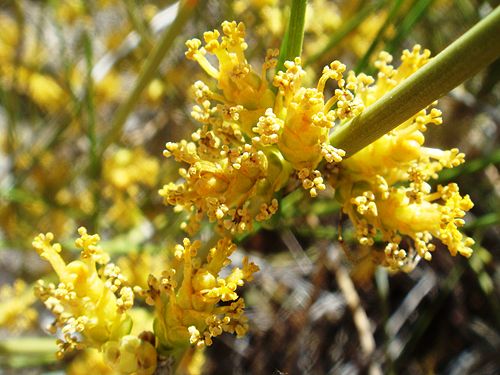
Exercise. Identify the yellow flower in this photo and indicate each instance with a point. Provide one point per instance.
(16, 311)
(252, 142)
(385, 188)
(90, 361)
(127, 169)
(187, 296)
(131, 355)
(125, 173)
(89, 304)
(43, 89)
(239, 83)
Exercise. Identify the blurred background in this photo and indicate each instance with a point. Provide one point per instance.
(318, 305)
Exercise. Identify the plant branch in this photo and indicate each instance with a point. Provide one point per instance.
(28, 345)
(345, 29)
(362, 64)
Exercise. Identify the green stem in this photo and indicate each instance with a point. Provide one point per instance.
(95, 161)
(461, 60)
(138, 23)
(28, 345)
(345, 29)
(380, 35)
(486, 221)
(148, 71)
(417, 11)
(291, 47)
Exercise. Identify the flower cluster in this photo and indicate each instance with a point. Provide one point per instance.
(386, 187)
(41, 88)
(192, 302)
(16, 311)
(125, 172)
(252, 141)
(90, 303)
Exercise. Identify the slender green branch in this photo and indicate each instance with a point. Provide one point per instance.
(461, 60)
(291, 47)
(418, 10)
(344, 30)
(380, 35)
(489, 220)
(89, 102)
(148, 71)
(138, 23)
(95, 162)
(28, 345)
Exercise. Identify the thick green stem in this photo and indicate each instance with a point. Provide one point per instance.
(148, 71)
(291, 47)
(461, 60)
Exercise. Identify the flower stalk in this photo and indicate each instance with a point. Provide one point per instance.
(476, 49)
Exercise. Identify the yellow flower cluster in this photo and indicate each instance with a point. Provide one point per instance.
(90, 304)
(48, 177)
(85, 300)
(187, 296)
(385, 188)
(42, 88)
(257, 134)
(92, 301)
(129, 356)
(16, 311)
(125, 172)
(89, 361)
(252, 140)
(51, 193)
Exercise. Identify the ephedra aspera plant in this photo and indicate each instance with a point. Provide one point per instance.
(264, 131)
